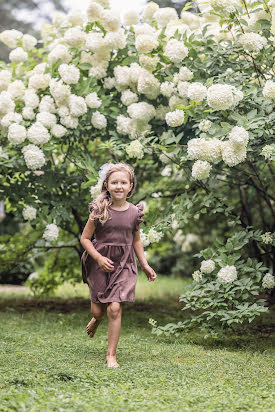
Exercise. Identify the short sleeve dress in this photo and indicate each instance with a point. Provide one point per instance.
(114, 240)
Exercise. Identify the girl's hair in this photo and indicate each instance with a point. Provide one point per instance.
(99, 206)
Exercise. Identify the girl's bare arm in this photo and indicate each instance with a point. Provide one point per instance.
(138, 247)
(85, 240)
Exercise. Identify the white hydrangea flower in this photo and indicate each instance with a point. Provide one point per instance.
(165, 14)
(196, 92)
(69, 121)
(46, 119)
(233, 155)
(144, 238)
(5, 78)
(38, 134)
(60, 91)
(269, 90)
(10, 118)
(47, 104)
(51, 232)
(267, 238)
(94, 11)
(197, 276)
(69, 73)
(74, 37)
(154, 236)
(145, 43)
(201, 169)
(18, 55)
(17, 133)
(238, 136)
(207, 266)
(135, 149)
(99, 121)
(144, 28)
(92, 100)
(128, 97)
(63, 111)
(167, 88)
(225, 6)
(39, 81)
(205, 125)
(268, 281)
(148, 62)
(31, 99)
(122, 75)
(116, 39)
(34, 157)
(16, 89)
(268, 151)
(29, 213)
(77, 105)
(175, 118)
(96, 189)
(59, 52)
(201, 149)
(130, 17)
(220, 96)
(33, 276)
(252, 42)
(185, 74)
(149, 85)
(28, 113)
(95, 41)
(75, 17)
(10, 37)
(58, 130)
(6, 103)
(175, 50)
(141, 111)
(183, 88)
(28, 42)
(110, 21)
(148, 11)
(124, 124)
(98, 72)
(227, 274)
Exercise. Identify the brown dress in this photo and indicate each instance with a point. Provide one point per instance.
(114, 240)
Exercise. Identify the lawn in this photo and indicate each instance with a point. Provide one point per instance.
(48, 363)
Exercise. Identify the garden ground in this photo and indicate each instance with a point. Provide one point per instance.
(48, 363)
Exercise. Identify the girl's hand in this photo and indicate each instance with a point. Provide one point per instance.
(149, 272)
(105, 264)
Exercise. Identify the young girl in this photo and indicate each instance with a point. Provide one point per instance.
(108, 263)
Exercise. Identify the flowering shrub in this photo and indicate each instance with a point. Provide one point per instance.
(187, 100)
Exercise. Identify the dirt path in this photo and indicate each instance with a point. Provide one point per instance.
(13, 288)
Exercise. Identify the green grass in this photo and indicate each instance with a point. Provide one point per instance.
(48, 363)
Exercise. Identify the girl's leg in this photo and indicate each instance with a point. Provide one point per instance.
(98, 311)
(114, 311)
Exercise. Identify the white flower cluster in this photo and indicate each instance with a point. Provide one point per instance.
(17, 133)
(154, 235)
(201, 170)
(144, 238)
(51, 232)
(95, 190)
(197, 276)
(205, 125)
(252, 42)
(175, 118)
(34, 157)
(175, 50)
(98, 120)
(227, 274)
(207, 266)
(225, 6)
(268, 281)
(135, 149)
(185, 241)
(269, 90)
(267, 238)
(223, 96)
(29, 213)
(268, 151)
(92, 100)
(196, 92)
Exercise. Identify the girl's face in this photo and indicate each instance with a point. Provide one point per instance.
(119, 185)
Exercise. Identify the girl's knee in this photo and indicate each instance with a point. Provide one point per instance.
(98, 311)
(114, 309)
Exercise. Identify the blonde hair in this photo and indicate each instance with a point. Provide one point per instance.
(99, 206)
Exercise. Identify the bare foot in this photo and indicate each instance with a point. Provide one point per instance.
(111, 361)
(92, 327)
